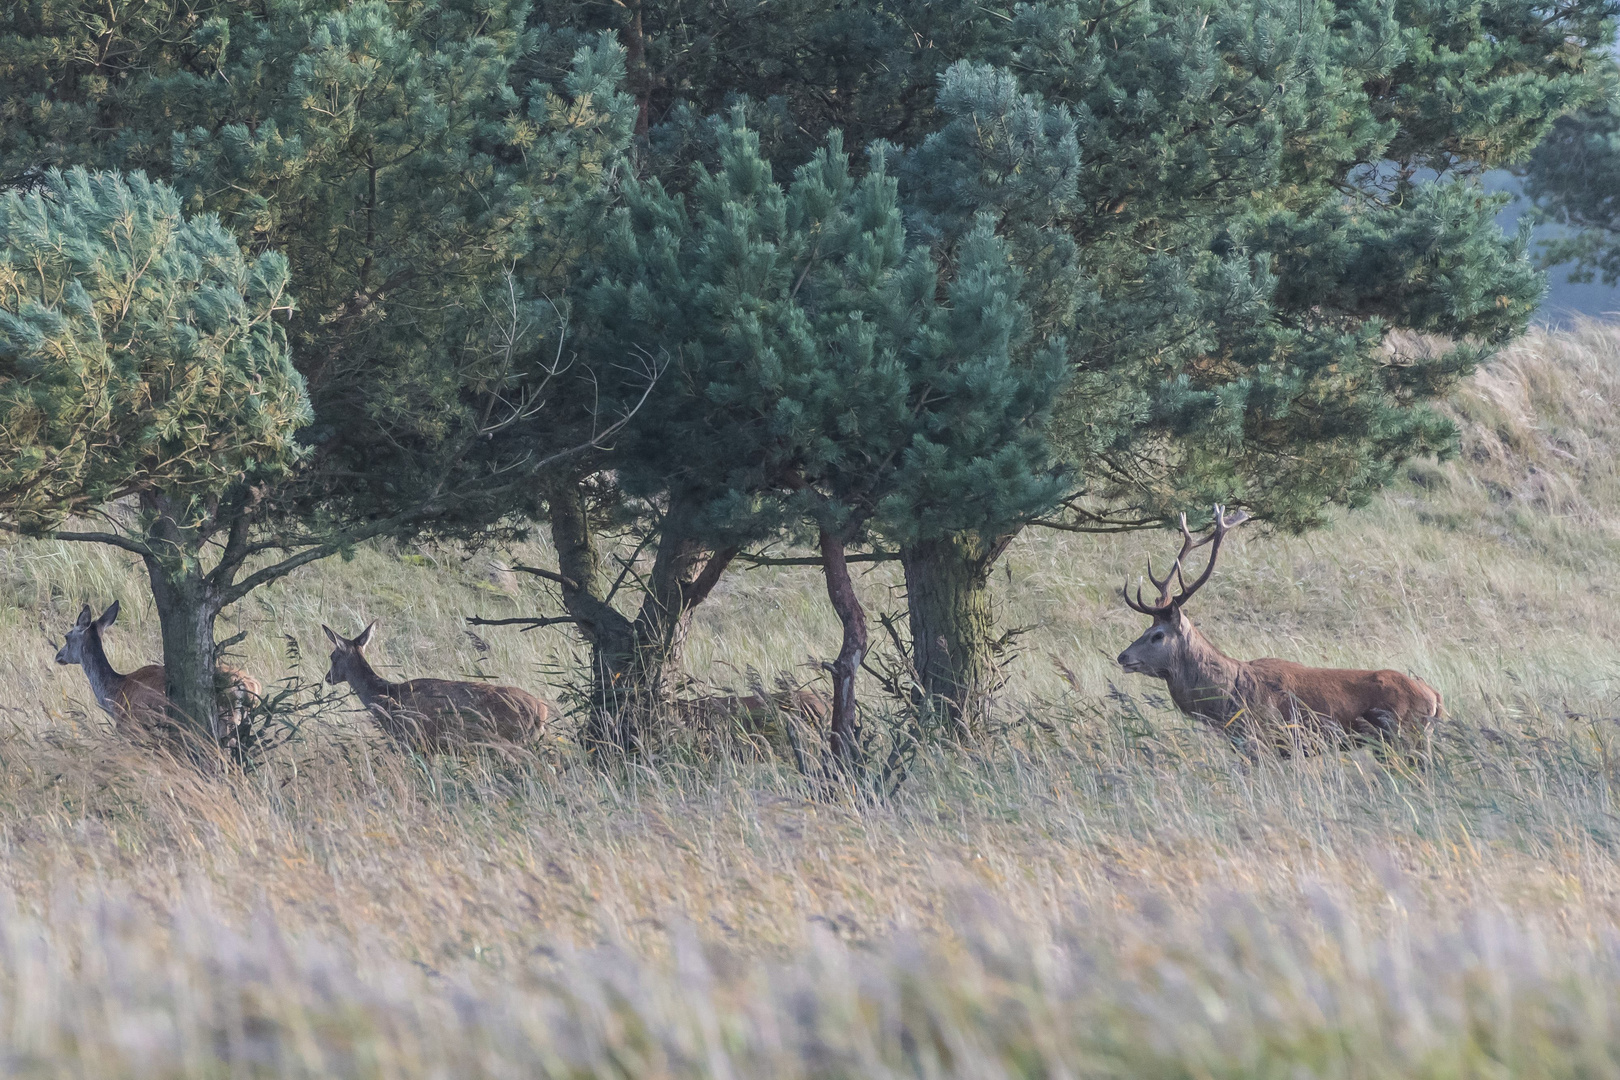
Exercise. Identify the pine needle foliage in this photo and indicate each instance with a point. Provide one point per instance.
(140, 351)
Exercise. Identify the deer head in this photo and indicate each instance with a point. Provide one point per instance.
(1157, 651)
(348, 658)
(85, 635)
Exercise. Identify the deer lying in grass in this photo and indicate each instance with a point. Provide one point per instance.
(434, 714)
(138, 702)
(1267, 699)
(754, 709)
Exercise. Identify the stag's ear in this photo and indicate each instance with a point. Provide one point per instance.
(108, 617)
(85, 618)
(332, 635)
(365, 636)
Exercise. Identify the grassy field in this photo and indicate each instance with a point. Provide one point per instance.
(1100, 890)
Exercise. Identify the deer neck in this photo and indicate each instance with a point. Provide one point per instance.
(367, 684)
(104, 681)
(1203, 681)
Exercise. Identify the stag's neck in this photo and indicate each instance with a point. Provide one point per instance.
(369, 686)
(104, 681)
(1204, 680)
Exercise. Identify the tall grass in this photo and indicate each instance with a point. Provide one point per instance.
(1102, 889)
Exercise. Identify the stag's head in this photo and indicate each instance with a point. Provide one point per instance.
(1158, 651)
(348, 656)
(83, 633)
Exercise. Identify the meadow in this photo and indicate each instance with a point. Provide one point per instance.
(1100, 888)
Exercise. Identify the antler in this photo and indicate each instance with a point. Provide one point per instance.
(1165, 602)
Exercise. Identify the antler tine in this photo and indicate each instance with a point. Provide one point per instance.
(1174, 573)
(1177, 571)
(1223, 525)
(1137, 604)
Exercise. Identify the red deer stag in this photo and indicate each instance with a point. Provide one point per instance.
(1264, 699)
(138, 702)
(434, 714)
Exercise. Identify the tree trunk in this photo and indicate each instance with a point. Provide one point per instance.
(639, 76)
(952, 624)
(844, 737)
(632, 661)
(186, 608)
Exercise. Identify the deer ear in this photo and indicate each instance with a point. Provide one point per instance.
(108, 617)
(331, 635)
(85, 618)
(365, 636)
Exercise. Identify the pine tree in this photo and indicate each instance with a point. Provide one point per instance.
(141, 359)
(1573, 180)
(1253, 196)
(430, 197)
(1249, 223)
(822, 379)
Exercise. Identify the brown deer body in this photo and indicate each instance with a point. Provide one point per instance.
(756, 708)
(434, 714)
(1267, 700)
(138, 702)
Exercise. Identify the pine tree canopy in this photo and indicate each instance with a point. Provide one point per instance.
(1574, 181)
(820, 371)
(428, 194)
(139, 351)
(1251, 196)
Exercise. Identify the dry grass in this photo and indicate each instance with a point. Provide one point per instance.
(1103, 890)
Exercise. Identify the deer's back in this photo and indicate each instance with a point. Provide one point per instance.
(438, 712)
(143, 697)
(141, 704)
(1351, 699)
(754, 709)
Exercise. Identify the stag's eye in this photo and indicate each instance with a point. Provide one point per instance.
(1158, 636)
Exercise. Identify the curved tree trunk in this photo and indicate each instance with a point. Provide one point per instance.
(952, 623)
(844, 735)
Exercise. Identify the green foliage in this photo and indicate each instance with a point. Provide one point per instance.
(139, 350)
(1574, 181)
(428, 208)
(1222, 206)
(1244, 226)
(430, 196)
(820, 371)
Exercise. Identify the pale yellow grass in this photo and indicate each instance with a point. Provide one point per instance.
(1103, 889)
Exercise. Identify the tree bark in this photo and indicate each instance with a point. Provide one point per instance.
(952, 623)
(632, 660)
(844, 736)
(634, 38)
(187, 605)
(186, 612)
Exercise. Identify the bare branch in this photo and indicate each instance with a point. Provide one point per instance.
(118, 540)
(815, 560)
(549, 575)
(527, 623)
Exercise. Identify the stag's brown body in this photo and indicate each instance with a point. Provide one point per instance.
(435, 714)
(1268, 701)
